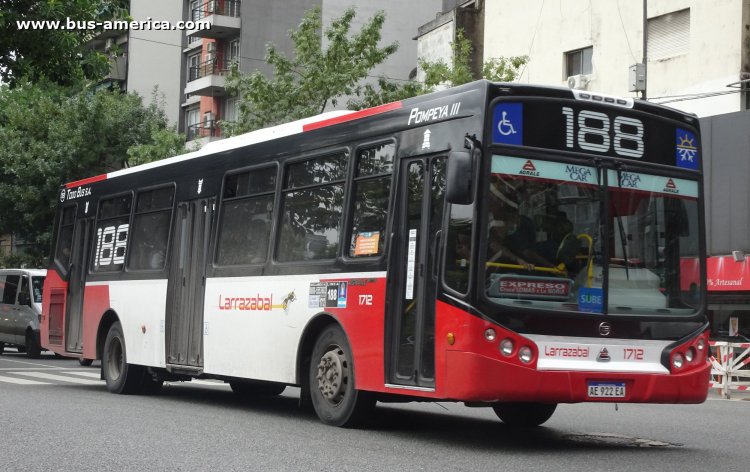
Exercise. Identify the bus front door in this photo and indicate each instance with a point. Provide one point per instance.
(79, 252)
(414, 287)
(187, 283)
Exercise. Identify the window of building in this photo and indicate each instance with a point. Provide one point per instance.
(230, 109)
(153, 218)
(579, 62)
(246, 214)
(65, 236)
(371, 189)
(192, 123)
(669, 35)
(313, 201)
(112, 229)
(193, 62)
(233, 51)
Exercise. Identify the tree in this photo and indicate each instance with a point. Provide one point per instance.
(314, 78)
(52, 135)
(439, 73)
(501, 69)
(57, 54)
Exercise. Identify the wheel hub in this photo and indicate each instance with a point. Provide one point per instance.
(332, 375)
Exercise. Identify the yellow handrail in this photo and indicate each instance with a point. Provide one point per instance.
(560, 270)
(591, 259)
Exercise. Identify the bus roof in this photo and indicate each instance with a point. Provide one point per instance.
(253, 137)
(341, 116)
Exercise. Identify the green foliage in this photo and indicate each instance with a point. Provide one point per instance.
(459, 72)
(387, 91)
(56, 54)
(22, 259)
(52, 135)
(313, 78)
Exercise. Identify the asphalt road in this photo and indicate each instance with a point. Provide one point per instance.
(56, 415)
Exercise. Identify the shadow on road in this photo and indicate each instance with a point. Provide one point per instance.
(444, 428)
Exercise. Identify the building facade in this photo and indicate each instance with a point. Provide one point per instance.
(192, 75)
(693, 47)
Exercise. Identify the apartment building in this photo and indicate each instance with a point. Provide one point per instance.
(190, 67)
(694, 48)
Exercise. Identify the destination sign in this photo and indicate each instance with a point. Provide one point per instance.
(619, 132)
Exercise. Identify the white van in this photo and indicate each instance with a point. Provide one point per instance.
(21, 309)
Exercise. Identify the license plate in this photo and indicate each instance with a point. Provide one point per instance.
(606, 389)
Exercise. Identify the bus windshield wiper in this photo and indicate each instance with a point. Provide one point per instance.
(623, 239)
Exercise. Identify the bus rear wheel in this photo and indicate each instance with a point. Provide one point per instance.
(333, 392)
(85, 362)
(121, 377)
(524, 414)
(259, 389)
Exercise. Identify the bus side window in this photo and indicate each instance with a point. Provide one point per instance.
(313, 205)
(112, 230)
(371, 190)
(65, 236)
(246, 212)
(150, 233)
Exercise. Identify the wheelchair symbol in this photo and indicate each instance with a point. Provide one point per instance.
(505, 122)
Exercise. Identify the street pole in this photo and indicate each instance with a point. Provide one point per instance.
(645, 49)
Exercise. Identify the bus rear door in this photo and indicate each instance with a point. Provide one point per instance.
(79, 257)
(187, 283)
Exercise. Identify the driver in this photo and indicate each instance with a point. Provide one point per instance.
(511, 236)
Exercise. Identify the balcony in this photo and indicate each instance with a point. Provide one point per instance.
(216, 19)
(207, 78)
(203, 133)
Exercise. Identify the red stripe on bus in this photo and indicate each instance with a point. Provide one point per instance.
(90, 180)
(352, 116)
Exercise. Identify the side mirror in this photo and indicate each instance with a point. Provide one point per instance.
(460, 178)
(24, 299)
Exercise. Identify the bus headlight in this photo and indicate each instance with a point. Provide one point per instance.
(525, 354)
(677, 361)
(490, 334)
(690, 354)
(506, 347)
(701, 344)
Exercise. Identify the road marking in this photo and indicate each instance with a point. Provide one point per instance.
(21, 381)
(31, 368)
(85, 374)
(61, 378)
(24, 362)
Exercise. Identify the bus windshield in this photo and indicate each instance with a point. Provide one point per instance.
(545, 246)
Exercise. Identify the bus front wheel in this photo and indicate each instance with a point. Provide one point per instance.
(121, 377)
(524, 414)
(334, 396)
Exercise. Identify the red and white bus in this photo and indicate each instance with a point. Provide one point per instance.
(502, 245)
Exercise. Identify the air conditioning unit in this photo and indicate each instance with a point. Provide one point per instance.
(578, 81)
(208, 118)
(211, 47)
(210, 57)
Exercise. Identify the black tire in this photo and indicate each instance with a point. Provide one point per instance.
(21, 349)
(121, 377)
(257, 389)
(2, 347)
(332, 390)
(524, 414)
(85, 362)
(33, 349)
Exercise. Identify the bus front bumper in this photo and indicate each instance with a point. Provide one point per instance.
(472, 377)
